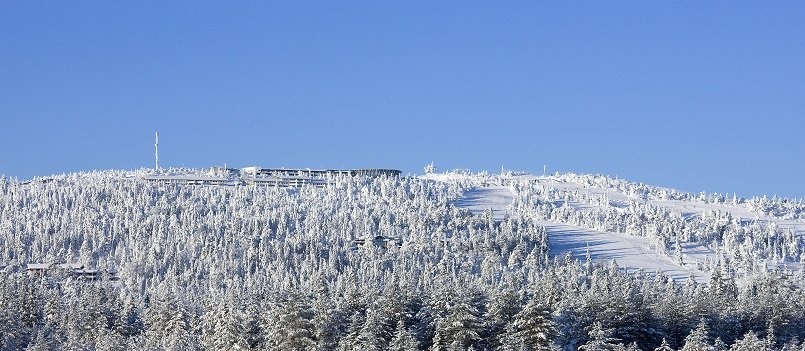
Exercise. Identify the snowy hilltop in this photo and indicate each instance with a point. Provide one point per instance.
(370, 259)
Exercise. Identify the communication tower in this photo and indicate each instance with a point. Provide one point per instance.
(156, 152)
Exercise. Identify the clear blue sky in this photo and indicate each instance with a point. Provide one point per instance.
(697, 95)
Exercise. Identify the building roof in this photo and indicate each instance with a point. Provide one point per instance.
(185, 177)
(35, 266)
(70, 266)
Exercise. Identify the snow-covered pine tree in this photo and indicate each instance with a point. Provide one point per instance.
(720, 345)
(462, 324)
(749, 342)
(697, 340)
(295, 330)
(372, 335)
(664, 346)
(403, 340)
(531, 329)
(600, 339)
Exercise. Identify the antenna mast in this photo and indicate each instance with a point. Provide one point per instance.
(156, 152)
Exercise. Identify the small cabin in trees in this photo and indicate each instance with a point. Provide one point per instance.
(38, 268)
(72, 269)
(70, 266)
(89, 274)
(41, 268)
(381, 241)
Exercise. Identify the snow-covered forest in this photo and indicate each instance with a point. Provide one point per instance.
(394, 263)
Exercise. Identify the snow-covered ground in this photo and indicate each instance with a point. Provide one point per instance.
(495, 198)
(685, 208)
(631, 253)
(739, 212)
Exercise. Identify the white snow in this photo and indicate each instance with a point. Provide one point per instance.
(630, 252)
(689, 209)
(495, 198)
(685, 208)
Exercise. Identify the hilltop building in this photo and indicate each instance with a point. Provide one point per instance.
(257, 176)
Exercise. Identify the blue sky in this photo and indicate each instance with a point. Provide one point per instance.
(701, 96)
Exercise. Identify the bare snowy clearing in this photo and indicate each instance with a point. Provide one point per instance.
(495, 198)
(737, 211)
(631, 253)
(687, 209)
(693, 253)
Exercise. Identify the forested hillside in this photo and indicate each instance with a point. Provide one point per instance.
(390, 263)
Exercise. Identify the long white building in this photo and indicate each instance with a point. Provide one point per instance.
(257, 176)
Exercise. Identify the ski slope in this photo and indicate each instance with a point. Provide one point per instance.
(495, 198)
(687, 209)
(631, 253)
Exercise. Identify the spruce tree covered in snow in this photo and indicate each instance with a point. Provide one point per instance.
(178, 335)
(697, 340)
(600, 339)
(503, 307)
(720, 345)
(462, 324)
(373, 335)
(531, 329)
(631, 347)
(225, 328)
(45, 339)
(130, 322)
(749, 342)
(403, 340)
(294, 329)
(664, 346)
(350, 341)
(791, 345)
